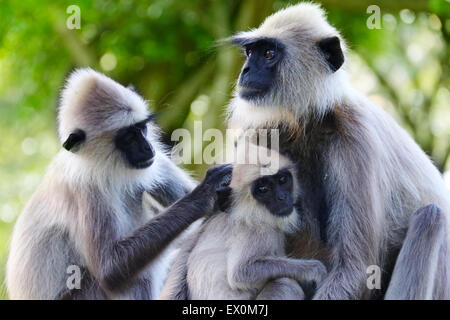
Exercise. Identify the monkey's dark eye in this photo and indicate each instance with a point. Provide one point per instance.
(263, 189)
(282, 180)
(248, 52)
(269, 54)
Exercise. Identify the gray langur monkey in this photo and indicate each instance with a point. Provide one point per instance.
(362, 175)
(88, 212)
(239, 253)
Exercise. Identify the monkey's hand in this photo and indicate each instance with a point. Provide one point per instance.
(223, 202)
(313, 270)
(216, 178)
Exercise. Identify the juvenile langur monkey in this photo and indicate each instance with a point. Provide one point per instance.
(88, 213)
(362, 175)
(237, 251)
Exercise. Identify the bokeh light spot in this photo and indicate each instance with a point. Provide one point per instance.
(29, 146)
(407, 16)
(200, 106)
(108, 61)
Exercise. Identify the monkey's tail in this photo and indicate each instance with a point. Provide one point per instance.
(421, 267)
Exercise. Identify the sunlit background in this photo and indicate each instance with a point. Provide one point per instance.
(167, 49)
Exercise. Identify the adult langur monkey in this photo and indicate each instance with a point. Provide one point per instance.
(88, 212)
(362, 173)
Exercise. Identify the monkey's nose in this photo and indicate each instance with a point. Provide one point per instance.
(281, 197)
(245, 70)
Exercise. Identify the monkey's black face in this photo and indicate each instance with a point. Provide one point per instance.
(259, 71)
(133, 144)
(275, 193)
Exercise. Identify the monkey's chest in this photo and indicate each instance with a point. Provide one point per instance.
(209, 263)
(207, 274)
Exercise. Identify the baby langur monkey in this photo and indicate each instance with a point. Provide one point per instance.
(239, 253)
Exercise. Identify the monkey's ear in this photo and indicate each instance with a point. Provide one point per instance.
(74, 139)
(331, 49)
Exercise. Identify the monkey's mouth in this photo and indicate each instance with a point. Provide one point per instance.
(283, 212)
(143, 164)
(250, 92)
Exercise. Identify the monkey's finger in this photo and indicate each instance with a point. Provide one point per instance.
(218, 173)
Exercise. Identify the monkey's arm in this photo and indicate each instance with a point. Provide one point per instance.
(115, 262)
(267, 268)
(354, 224)
(421, 264)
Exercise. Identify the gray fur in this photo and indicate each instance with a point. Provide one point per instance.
(427, 277)
(236, 255)
(281, 289)
(176, 286)
(89, 209)
(230, 261)
(363, 175)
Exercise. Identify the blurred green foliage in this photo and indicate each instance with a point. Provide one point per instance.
(167, 49)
